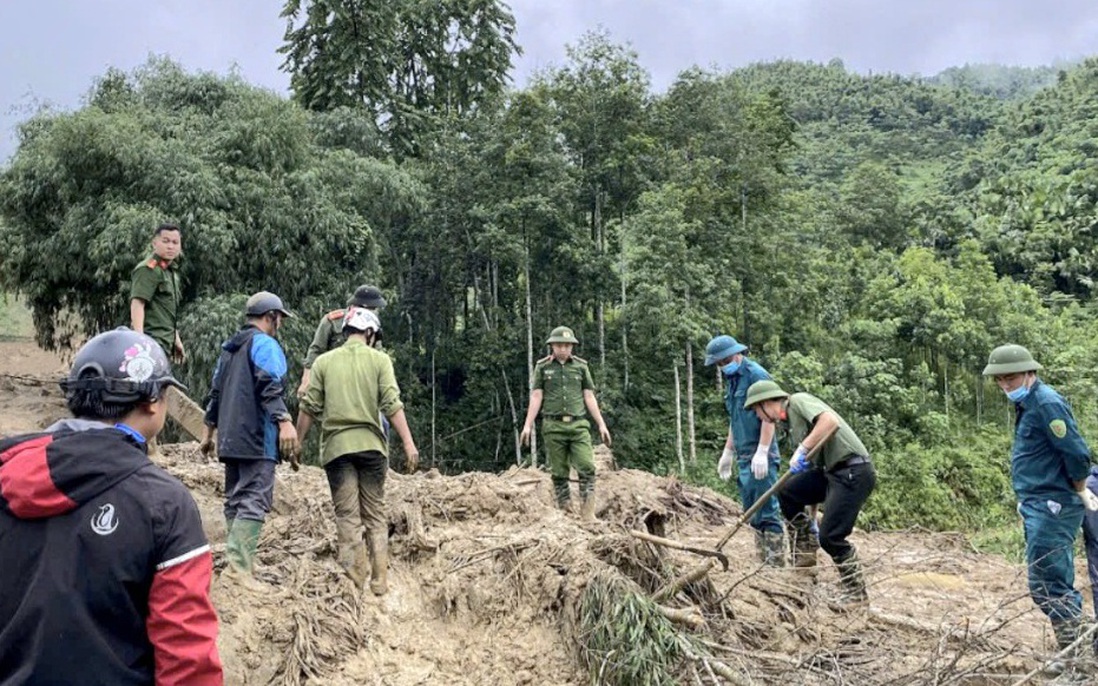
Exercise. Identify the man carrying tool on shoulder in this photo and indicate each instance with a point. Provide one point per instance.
(840, 475)
(1049, 464)
(750, 446)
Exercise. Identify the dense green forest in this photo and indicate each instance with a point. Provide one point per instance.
(871, 237)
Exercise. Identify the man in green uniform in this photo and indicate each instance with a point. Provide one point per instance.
(561, 389)
(352, 387)
(155, 292)
(329, 332)
(841, 476)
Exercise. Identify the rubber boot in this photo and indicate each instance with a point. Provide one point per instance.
(562, 492)
(355, 563)
(1069, 667)
(803, 544)
(774, 543)
(760, 546)
(378, 544)
(852, 595)
(240, 550)
(587, 513)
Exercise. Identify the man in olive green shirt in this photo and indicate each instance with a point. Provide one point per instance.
(155, 292)
(840, 475)
(329, 332)
(352, 387)
(562, 389)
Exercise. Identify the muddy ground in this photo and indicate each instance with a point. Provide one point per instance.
(488, 582)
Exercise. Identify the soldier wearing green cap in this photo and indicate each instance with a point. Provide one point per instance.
(563, 391)
(329, 332)
(1049, 464)
(841, 476)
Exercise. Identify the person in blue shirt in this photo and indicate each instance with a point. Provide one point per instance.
(751, 445)
(1049, 464)
(246, 408)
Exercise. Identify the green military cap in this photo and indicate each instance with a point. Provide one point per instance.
(562, 334)
(763, 390)
(1010, 359)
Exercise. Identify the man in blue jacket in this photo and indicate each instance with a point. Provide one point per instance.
(1049, 464)
(751, 445)
(253, 426)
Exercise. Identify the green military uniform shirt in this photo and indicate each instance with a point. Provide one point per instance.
(562, 386)
(802, 411)
(349, 387)
(156, 282)
(328, 336)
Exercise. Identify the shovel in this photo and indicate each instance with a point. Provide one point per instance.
(761, 501)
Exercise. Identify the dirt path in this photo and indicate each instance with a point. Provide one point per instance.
(29, 396)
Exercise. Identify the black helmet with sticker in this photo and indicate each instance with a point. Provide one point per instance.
(122, 366)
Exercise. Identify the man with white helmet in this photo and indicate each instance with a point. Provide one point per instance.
(351, 388)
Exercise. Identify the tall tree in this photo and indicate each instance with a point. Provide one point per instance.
(407, 63)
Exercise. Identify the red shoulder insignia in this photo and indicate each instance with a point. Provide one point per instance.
(151, 264)
(336, 314)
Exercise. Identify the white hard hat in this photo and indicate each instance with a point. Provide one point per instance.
(361, 319)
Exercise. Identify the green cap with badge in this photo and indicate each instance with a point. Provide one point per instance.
(563, 334)
(761, 391)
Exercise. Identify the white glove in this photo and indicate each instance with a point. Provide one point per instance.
(724, 467)
(1089, 499)
(760, 463)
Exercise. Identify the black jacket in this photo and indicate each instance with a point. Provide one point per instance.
(104, 567)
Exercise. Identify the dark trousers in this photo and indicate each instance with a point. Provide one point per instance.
(842, 492)
(249, 488)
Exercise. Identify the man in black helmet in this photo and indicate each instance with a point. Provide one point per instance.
(329, 332)
(104, 566)
(254, 428)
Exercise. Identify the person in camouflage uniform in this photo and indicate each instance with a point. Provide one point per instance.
(329, 332)
(561, 390)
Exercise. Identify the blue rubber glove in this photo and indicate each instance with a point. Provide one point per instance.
(799, 462)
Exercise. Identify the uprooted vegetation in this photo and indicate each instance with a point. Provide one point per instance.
(490, 584)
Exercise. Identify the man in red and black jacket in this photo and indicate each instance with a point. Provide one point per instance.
(104, 566)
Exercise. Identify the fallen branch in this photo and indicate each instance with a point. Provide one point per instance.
(674, 586)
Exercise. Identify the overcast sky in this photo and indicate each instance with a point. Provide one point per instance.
(53, 49)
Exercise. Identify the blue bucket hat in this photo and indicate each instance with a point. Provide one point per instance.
(722, 347)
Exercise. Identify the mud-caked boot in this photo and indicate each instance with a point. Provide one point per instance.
(378, 544)
(587, 512)
(852, 593)
(803, 544)
(562, 494)
(1068, 668)
(774, 545)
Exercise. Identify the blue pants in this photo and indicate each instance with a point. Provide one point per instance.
(768, 518)
(249, 488)
(1090, 538)
(1050, 557)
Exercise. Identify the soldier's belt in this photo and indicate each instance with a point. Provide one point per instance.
(566, 418)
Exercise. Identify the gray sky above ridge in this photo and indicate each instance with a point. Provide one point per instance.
(54, 49)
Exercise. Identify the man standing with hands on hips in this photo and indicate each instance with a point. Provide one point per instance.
(751, 446)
